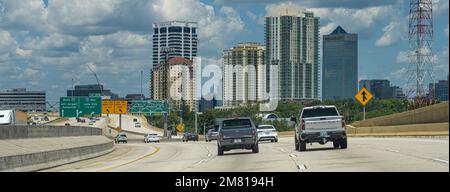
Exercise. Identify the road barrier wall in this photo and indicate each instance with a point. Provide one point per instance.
(24, 132)
(55, 157)
(437, 113)
(20, 155)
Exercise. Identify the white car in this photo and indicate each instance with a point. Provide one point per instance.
(267, 132)
(137, 125)
(151, 138)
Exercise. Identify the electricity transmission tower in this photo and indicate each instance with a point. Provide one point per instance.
(420, 37)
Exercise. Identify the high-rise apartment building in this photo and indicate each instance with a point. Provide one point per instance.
(176, 82)
(292, 44)
(173, 39)
(340, 65)
(243, 74)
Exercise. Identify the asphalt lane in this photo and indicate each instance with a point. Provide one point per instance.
(363, 154)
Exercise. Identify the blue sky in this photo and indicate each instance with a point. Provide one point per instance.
(44, 45)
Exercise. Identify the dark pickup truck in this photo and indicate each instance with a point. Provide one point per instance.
(237, 133)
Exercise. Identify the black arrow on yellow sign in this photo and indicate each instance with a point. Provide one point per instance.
(364, 98)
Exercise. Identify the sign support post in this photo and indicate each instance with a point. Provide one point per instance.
(364, 112)
(120, 120)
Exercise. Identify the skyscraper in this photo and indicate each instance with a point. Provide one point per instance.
(173, 39)
(292, 43)
(340, 65)
(243, 74)
(181, 82)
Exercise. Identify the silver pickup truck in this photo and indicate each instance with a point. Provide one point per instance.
(320, 124)
(237, 133)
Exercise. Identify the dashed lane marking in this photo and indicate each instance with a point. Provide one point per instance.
(441, 160)
(392, 150)
(302, 167)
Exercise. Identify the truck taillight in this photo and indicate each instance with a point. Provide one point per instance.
(343, 123)
(254, 132)
(303, 124)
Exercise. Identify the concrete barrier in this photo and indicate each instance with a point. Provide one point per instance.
(437, 113)
(20, 148)
(24, 132)
(57, 155)
(438, 129)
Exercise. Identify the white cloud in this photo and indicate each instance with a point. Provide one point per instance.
(7, 45)
(403, 56)
(23, 53)
(393, 33)
(23, 15)
(328, 28)
(365, 21)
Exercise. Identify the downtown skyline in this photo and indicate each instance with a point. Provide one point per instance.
(43, 47)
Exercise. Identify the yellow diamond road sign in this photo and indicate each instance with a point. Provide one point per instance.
(363, 96)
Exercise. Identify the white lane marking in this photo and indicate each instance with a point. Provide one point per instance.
(301, 167)
(292, 155)
(441, 160)
(200, 162)
(392, 150)
(282, 150)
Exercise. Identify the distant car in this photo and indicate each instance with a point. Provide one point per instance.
(91, 122)
(45, 118)
(267, 132)
(151, 138)
(135, 120)
(97, 119)
(121, 137)
(137, 125)
(174, 132)
(211, 135)
(190, 136)
(66, 124)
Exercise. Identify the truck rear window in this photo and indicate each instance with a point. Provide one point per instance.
(236, 123)
(319, 112)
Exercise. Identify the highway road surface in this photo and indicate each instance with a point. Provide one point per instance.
(363, 154)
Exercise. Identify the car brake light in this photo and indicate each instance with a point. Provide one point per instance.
(303, 124)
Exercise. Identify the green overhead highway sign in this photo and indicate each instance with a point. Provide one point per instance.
(80, 106)
(149, 107)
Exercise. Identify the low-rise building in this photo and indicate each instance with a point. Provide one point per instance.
(21, 99)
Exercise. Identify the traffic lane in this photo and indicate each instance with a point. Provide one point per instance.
(122, 155)
(271, 158)
(172, 157)
(373, 154)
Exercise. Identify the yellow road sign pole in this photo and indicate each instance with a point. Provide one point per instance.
(364, 112)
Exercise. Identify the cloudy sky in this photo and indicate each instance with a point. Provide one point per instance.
(45, 44)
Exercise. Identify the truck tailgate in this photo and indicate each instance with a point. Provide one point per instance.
(330, 122)
(237, 133)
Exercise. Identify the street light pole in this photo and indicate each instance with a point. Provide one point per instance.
(196, 113)
(166, 51)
